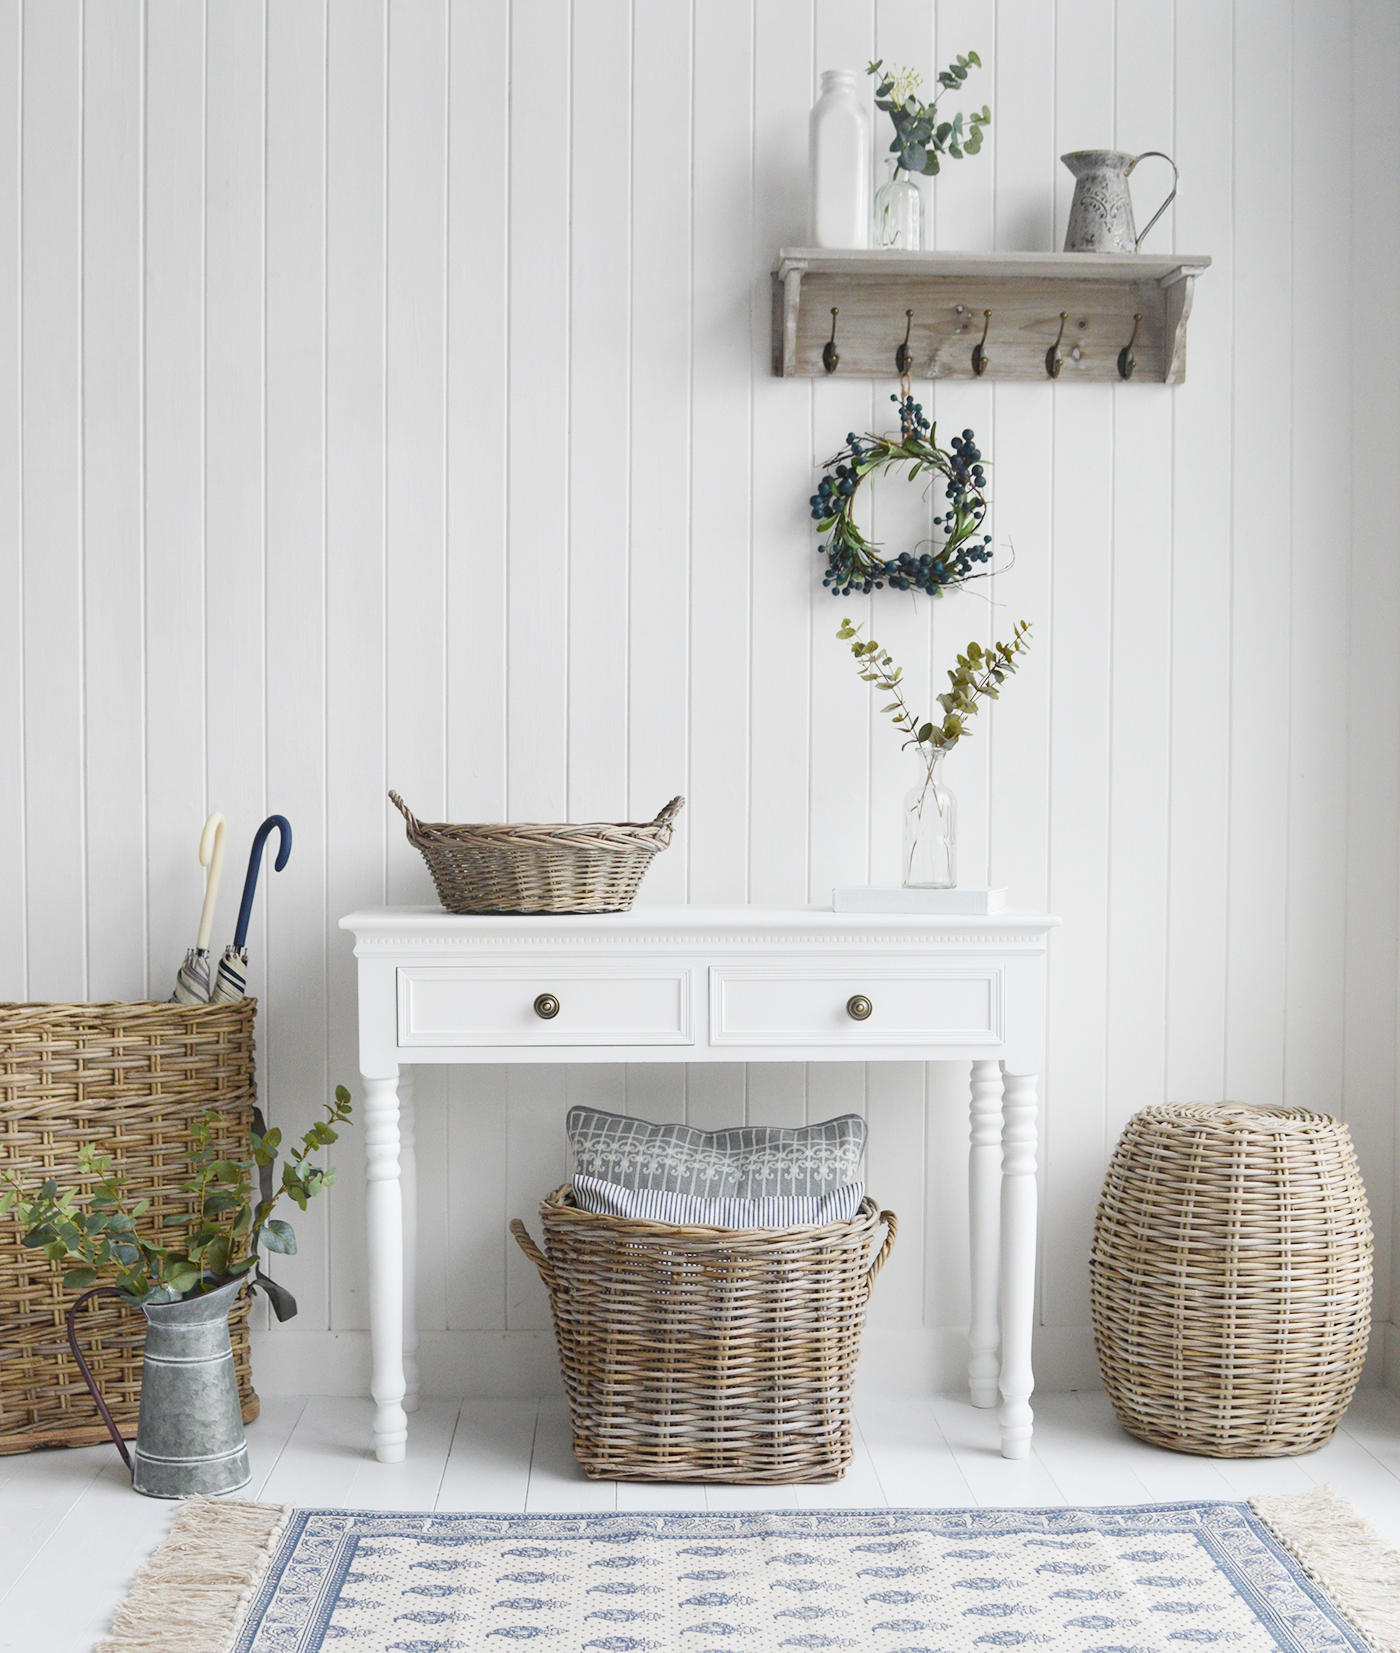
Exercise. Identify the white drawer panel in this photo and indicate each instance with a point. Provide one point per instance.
(462, 1005)
(778, 1004)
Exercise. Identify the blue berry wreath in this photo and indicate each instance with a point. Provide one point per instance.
(853, 562)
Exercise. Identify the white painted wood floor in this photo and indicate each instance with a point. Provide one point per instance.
(72, 1532)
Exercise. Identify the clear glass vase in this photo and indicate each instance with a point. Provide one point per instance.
(897, 218)
(930, 826)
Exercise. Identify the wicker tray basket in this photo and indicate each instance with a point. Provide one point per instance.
(1231, 1279)
(708, 1354)
(133, 1077)
(525, 868)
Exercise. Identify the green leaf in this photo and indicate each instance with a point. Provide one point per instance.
(277, 1235)
(79, 1279)
(342, 1096)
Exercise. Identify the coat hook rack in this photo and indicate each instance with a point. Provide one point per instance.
(1099, 300)
(1126, 360)
(901, 356)
(980, 359)
(831, 360)
(1054, 361)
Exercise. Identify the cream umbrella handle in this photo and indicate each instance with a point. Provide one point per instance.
(211, 855)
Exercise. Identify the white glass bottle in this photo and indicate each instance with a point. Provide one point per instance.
(899, 211)
(838, 163)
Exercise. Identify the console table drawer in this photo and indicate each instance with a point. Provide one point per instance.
(786, 1004)
(462, 1006)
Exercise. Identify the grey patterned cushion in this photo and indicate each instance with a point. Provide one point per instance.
(747, 1162)
(608, 1199)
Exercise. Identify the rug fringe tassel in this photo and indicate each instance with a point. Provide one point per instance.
(192, 1595)
(1340, 1550)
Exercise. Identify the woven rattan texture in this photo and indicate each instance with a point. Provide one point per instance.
(708, 1354)
(134, 1078)
(539, 869)
(1231, 1279)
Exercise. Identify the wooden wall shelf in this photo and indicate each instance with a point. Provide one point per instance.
(1099, 293)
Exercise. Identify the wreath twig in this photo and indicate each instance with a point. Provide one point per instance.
(855, 563)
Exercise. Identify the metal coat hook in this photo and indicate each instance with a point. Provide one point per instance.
(901, 356)
(980, 360)
(1126, 360)
(1054, 361)
(830, 359)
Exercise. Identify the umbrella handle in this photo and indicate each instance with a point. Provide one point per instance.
(250, 883)
(211, 855)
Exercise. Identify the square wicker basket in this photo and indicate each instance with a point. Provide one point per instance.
(133, 1077)
(692, 1353)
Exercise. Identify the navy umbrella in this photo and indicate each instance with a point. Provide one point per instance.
(231, 982)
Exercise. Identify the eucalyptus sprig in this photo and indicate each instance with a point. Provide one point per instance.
(223, 1228)
(919, 136)
(977, 676)
(855, 563)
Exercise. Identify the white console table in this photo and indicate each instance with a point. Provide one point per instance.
(711, 984)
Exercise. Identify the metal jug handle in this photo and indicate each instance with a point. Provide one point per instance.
(107, 1418)
(1176, 179)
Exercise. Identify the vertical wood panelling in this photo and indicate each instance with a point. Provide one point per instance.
(1139, 806)
(1198, 876)
(1261, 507)
(178, 628)
(13, 931)
(1317, 796)
(355, 531)
(112, 538)
(537, 639)
(294, 1067)
(384, 400)
(721, 453)
(415, 514)
(598, 411)
(1373, 820)
(658, 574)
(52, 500)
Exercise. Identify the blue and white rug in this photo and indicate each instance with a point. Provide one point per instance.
(1147, 1579)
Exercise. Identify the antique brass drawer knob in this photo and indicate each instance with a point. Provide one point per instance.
(546, 1007)
(858, 1007)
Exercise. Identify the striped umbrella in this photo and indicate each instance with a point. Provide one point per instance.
(192, 982)
(231, 983)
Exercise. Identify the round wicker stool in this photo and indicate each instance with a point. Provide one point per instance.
(1231, 1279)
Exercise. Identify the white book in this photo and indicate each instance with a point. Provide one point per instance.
(869, 898)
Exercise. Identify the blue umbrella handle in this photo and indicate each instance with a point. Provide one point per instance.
(250, 883)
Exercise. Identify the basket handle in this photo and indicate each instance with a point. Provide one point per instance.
(666, 820)
(891, 1223)
(533, 1252)
(414, 825)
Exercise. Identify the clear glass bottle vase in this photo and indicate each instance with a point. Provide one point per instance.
(930, 825)
(897, 215)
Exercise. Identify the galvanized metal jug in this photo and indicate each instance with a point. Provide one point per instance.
(1101, 213)
(189, 1438)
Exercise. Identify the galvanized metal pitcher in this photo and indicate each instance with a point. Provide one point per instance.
(189, 1438)
(1101, 213)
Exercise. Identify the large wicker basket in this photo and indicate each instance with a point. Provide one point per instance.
(708, 1354)
(527, 868)
(1231, 1279)
(134, 1078)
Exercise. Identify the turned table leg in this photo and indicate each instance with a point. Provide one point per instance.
(1018, 1216)
(984, 1221)
(408, 1186)
(384, 1226)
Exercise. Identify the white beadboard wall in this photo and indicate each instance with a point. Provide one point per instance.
(384, 401)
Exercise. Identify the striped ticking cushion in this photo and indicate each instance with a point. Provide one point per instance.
(659, 1205)
(745, 1162)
